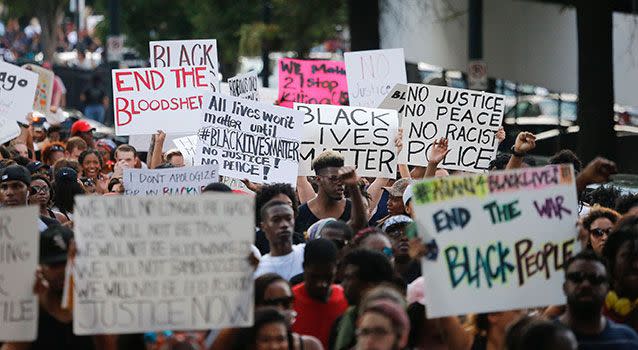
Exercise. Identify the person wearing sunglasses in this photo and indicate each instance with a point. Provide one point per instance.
(586, 285)
(599, 223)
(40, 193)
(52, 152)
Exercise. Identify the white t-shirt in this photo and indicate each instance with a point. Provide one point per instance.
(286, 266)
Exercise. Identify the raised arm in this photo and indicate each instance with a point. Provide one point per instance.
(156, 151)
(525, 142)
(305, 192)
(437, 154)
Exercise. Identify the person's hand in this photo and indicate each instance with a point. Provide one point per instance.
(252, 186)
(41, 286)
(160, 137)
(525, 142)
(439, 151)
(398, 141)
(102, 184)
(253, 260)
(598, 171)
(500, 134)
(118, 169)
(348, 175)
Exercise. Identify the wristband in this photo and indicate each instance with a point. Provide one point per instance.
(517, 154)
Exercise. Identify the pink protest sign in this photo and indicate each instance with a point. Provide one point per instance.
(312, 82)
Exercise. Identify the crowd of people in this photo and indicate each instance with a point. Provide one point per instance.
(336, 262)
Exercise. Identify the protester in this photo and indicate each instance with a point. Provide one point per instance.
(395, 228)
(40, 193)
(318, 302)
(276, 191)
(598, 223)
(372, 238)
(91, 163)
(395, 199)
(83, 130)
(604, 196)
(382, 325)
(65, 189)
(125, 158)
(270, 332)
(39, 168)
(627, 204)
(489, 329)
(14, 184)
(534, 333)
(586, 284)
(74, 147)
(52, 152)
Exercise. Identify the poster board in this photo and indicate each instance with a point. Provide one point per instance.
(312, 82)
(172, 181)
(17, 92)
(372, 74)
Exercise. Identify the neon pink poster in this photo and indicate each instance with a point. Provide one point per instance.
(313, 82)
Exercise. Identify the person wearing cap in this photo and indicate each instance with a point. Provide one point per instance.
(66, 188)
(395, 228)
(395, 199)
(39, 168)
(84, 130)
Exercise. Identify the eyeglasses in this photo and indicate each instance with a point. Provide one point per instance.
(599, 232)
(285, 302)
(39, 189)
(395, 234)
(579, 277)
(376, 332)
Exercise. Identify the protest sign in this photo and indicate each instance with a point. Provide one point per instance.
(313, 82)
(187, 53)
(372, 74)
(186, 146)
(249, 139)
(364, 136)
(503, 238)
(17, 91)
(19, 247)
(245, 86)
(148, 99)
(235, 184)
(395, 100)
(468, 119)
(9, 129)
(171, 181)
(156, 263)
(44, 91)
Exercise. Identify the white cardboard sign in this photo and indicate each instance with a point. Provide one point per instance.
(372, 74)
(172, 181)
(17, 91)
(245, 86)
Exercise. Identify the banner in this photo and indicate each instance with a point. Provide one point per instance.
(156, 263)
(149, 99)
(372, 74)
(395, 100)
(44, 91)
(249, 139)
(171, 181)
(245, 86)
(468, 119)
(364, 136)
(17, 91)
(20, 245)
(503, 239)
(187, 53)
(314, 82)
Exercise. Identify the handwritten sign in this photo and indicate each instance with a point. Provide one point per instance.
(44, 91)
(9, 129)
(395, 100)
(171, 181)
(19, 244)
(468, 119)
(187, 53)
(503, 238)
(186, 146)
(17, 91)
(364, 136)
(245, 86)
(156, 263)
(249, 139)
(148, 99)
(313, 82)
(372, 74)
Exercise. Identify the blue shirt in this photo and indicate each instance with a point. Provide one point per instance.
(615, 336)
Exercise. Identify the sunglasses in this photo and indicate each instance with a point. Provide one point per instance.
(57, 148)
(599, 232)
(285, 302)
(39, 189)
(580, 277)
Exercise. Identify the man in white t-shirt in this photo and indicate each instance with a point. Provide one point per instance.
(284, 259)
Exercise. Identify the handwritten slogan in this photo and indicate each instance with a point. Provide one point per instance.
(186, 146)
(364, 136)
(468, 119)
(313, 82)
(187, 53)
(171, 181)
(17, 91)
(245, 86)
(249, 139)
(19, 252)
(372, 74)
(156, 263)
(503, 238)
(148, 99)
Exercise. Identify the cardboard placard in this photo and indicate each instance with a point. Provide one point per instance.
(503, 238)
(250, 139)
(149, 99)
(395, 100)
(245, 86)
(19, 247)
(44, 91)
(468, 119)
(17, 92)
(172, 181)
(312, 81)
(186, 146)
(187, 53)
(9, 129)
(155, 263)
(372, 74)
(364, 136)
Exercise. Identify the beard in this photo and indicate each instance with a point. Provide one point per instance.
(585, 308)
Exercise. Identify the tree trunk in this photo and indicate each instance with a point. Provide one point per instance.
(595, 80)
(49, 13)
(363, 19)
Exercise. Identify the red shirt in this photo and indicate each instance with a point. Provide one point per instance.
(314, 317)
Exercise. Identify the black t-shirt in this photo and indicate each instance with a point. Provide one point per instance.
(615, 336)
(94, 96)
(305, 217)
(53, 334)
